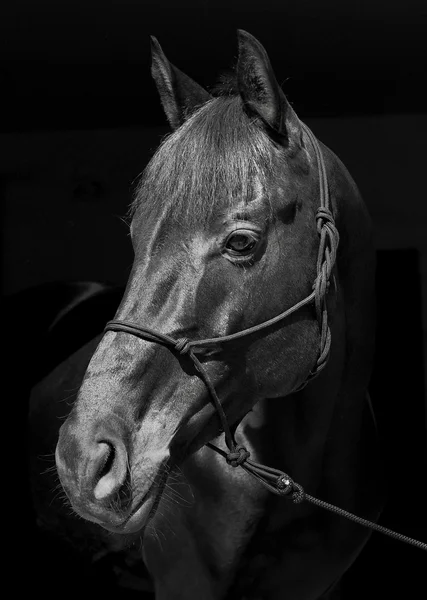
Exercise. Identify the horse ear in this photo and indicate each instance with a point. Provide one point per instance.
(179, 94)
(259, 90)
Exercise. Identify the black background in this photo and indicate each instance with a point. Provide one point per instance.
(79, 63)
(78, 71)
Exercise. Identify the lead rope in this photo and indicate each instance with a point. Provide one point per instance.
(274, 480)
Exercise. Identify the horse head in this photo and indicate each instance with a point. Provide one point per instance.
(224, 237)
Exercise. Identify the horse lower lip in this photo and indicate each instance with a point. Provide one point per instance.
(140, 514)
(137, 519)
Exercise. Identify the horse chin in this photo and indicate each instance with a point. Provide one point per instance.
(139, 517)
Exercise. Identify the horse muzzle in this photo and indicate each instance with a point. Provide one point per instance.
(94, 470)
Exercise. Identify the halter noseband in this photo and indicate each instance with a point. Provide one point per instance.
(329, 239)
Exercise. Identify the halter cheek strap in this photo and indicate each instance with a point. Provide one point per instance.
(237, 456)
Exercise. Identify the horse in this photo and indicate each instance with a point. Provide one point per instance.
(246, 331)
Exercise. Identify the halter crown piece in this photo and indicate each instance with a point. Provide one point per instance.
(238, 456)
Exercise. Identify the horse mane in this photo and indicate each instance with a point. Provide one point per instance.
(218, 155)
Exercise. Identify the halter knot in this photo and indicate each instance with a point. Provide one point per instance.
(298, 494)
(182, 345)
(238, 456)
(325, 214)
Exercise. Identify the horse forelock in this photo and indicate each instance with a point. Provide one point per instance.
(217, 157)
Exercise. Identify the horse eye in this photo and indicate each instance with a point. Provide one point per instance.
(241, 243)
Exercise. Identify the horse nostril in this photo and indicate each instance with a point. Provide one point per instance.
(110, 475)
(107, 460)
